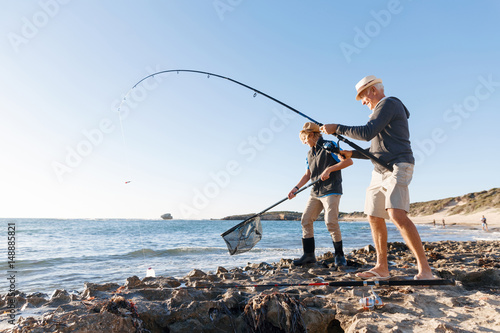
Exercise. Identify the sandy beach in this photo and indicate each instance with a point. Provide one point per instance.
(274, 297)
(472, 220)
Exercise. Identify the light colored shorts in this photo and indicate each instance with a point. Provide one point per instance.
(389, 190)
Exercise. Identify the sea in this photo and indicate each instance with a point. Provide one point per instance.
(50, 254)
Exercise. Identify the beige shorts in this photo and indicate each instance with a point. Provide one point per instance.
(389, 190)
(330, 204)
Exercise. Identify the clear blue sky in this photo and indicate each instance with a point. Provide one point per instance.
(201, 147)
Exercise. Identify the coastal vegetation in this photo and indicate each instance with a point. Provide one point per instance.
(465, 204)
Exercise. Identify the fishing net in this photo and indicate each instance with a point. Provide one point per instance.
(243, 237)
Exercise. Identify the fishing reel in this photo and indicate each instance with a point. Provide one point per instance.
(330, 147)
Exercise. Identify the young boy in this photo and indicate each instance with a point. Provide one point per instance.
(322, 162)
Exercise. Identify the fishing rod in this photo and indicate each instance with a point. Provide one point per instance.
(256, 91)
(268, 208)
(354, 283)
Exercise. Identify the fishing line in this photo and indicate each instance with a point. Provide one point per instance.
(150, 271)
(127, 161)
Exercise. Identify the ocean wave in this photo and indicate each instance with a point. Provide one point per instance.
(181, 251)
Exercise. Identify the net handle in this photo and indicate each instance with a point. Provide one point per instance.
(268, 208)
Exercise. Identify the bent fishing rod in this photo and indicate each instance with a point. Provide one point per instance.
(362, 151)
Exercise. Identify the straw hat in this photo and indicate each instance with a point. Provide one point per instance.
(366, 82)
(310, 127)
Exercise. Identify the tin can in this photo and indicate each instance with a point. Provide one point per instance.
(367, 303)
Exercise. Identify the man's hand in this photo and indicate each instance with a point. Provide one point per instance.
(329, 128)
(325, 175)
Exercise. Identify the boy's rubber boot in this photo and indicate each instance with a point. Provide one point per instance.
(308, 257)
(339, 254)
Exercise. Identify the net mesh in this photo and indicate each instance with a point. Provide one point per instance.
(243, 238)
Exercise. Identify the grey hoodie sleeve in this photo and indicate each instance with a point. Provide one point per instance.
(378, 121)
(387, 130)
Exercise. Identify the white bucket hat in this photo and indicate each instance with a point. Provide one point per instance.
(366, 82)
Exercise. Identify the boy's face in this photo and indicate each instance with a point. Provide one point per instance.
(309, 139)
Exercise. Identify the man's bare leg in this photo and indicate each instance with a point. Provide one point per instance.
(379, 235)
(412, 238)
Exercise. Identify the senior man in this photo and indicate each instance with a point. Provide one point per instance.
(387, 197)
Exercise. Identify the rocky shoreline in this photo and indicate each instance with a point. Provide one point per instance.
(218, 302)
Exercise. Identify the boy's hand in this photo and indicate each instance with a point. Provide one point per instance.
(325, 175)
(345, 154)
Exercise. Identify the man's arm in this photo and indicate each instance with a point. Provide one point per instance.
(368, 131)
(378, 121)
(382, 115)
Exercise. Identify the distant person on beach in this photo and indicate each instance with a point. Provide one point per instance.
(324, 163)
(444, 224)
(434, 222)
(387, 197)
(484, 224)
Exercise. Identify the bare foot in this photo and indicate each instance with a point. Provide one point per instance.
(425, 277)
(373, 275)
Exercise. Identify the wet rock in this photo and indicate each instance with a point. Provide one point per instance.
(190, 325)
(319, 320)
(366, 250)
(285, 262)
(133, 282)
(27, 306)
(99, 291)
(232, 299)
(268, 313)
(178, 298)
(153, 294)
(239, 276)
(346, 308)
(59, 297)
(196, 273)
(261, 266)
(167, 282)
(36, 299)
(154, 315)
(221, 270)
(396, 247)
